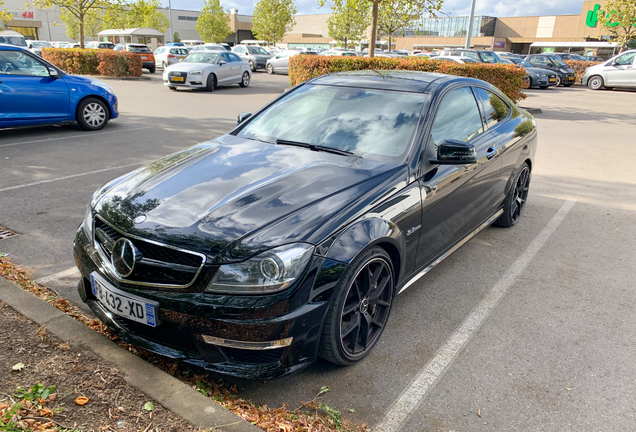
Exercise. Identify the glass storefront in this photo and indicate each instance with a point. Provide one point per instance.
(451, 27)
(29, 33)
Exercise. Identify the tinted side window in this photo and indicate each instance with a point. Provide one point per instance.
(458, 117)
(234, 57)
(495, 109)
(626, 59)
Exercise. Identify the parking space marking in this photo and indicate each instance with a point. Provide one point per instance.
(59, 275)
(71, 176)
(425, 380)
(83, 135)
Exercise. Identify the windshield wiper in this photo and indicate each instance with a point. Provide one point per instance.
(314, 147)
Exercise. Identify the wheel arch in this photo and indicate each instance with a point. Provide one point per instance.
(110, 113)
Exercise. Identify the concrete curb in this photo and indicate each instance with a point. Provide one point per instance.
(100, 77)
(165, 389)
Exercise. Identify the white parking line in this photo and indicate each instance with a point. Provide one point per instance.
(406, 404)
(70, 177)
(72, 272)
(76, 136)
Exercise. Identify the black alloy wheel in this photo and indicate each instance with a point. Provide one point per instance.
(515, 202)
(211, 83)
(360, 309)
(595, 83)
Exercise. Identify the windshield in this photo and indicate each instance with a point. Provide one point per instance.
(489, 57)
(41, 45)
(13, 40)
(139, 49)
(525, 64)
(358, 120)
(180, 51)
(256, 50)
(201, 57)
(557, 61)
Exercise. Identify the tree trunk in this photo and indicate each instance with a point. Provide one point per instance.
(374, 28)
(345, 44)
(81, 30)
(389, 42)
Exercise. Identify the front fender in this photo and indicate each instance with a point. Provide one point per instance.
(363, 234)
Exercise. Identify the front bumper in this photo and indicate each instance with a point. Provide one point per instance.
(191, 323)
(114, 106)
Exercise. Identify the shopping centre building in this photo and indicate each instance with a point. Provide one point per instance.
(524, 34)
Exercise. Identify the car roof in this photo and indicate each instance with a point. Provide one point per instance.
(7, 47)
(406, 81)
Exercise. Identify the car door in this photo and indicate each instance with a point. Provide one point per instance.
(455, 198)
(621, 71)
(28, 92)
(224, 69)
(159, 56)
(236, 65)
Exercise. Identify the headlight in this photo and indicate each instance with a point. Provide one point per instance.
(541, 75)
(269, 272)
(103, 85)
(196, 73)
(88, 222)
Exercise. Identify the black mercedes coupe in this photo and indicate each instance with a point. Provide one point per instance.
(289, 237)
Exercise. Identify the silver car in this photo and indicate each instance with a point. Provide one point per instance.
(35, 46)
(206, 70)
(619, 71)
(256, 56)
(280, 63)
(169, 55)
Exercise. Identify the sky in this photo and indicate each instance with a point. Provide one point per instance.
(496, 8)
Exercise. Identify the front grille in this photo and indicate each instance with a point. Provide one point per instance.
(159, 266)
(166, 333)
(178, 74)
(252, 356)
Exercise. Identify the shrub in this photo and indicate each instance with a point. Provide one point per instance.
(579, 68)
(507, 78)
(94, 62)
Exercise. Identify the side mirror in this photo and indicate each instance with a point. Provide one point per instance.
(242, 117)
(53, 73)
(453, 152)
(221, 63)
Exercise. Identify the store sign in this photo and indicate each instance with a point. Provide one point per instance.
(500, 44)
(27, 14)
(593, 16)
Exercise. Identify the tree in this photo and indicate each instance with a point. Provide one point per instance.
(213, 24)
(396, 15)
(145, 13)
(271, 19)
(422, 7)
(348, 21)
(93, 24)
(176, 37)
(619, 19)
(5, 16)
(82, 10)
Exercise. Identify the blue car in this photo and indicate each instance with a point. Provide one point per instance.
(34, 92)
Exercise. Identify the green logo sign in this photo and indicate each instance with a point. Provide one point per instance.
(592, 16)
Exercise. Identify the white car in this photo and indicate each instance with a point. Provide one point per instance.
(169, 55)
(461, 60)
(206, 70)
(35, 46)
(61, 44)
(619, 71)
(338, 53)
(208, 47)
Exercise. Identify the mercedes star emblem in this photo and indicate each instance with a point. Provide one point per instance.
(124, 257)
(139, 219)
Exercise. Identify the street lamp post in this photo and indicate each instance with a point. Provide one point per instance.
(470, 24)
(170, 18)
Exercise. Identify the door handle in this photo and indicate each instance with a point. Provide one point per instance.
(491, 153)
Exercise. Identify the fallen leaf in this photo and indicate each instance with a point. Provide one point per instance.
(479, 412)
(18, 366)
(568, 389)
(149, 406)
(82, 400)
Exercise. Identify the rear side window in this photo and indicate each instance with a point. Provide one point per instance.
(458, 117)
(179, 51)
(495, 109)
(233, 57)
(539, 61)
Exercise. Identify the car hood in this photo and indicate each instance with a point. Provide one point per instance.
(188, 67)
(536, 70)
(232, 198)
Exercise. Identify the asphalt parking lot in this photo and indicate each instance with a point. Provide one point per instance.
(528, 328)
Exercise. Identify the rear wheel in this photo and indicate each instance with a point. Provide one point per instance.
(92, 114)
(360, 308)
(211, 83)
(595, 82)
(152, 69)
(270, 69)
(164, 65)
(515, 202)
(245, 80)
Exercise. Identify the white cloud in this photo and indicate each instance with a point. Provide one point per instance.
(496, 8)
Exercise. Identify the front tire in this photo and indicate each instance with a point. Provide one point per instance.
(252, 67)
(559, 81)
(270, 69)
(359, 309)
(245, 80)
(92, 114)
(515, 202)
(211, 83)
(596, 82)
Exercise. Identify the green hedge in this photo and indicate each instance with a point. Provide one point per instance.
(507, 78)
(94, 62)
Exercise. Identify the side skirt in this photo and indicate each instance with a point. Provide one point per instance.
(457, 245)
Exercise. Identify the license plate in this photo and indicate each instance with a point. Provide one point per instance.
(180, 79)
(571, 78)
(123, 304)
(144, 58)
(552, 79)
